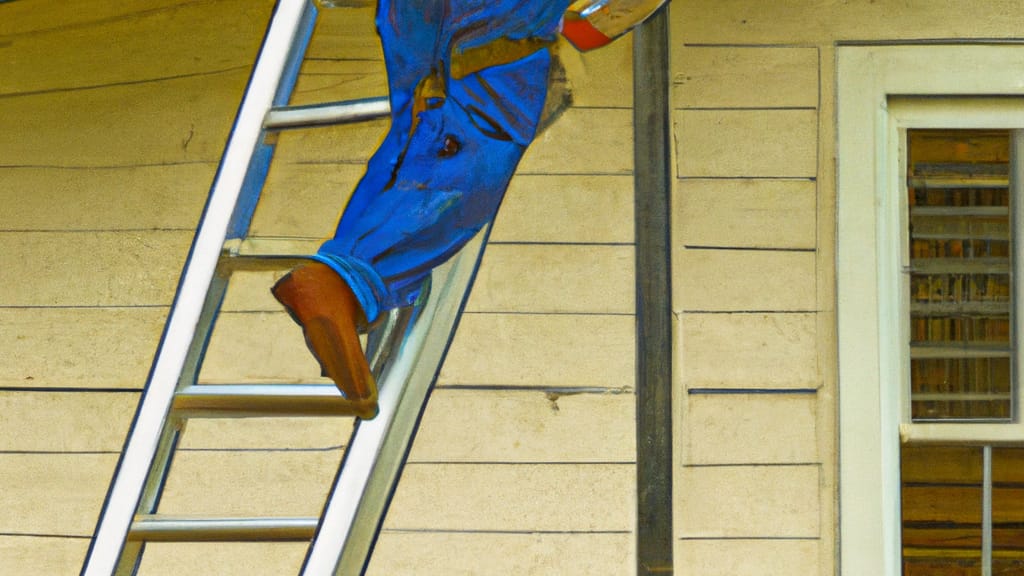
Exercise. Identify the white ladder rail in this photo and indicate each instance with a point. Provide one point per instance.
(369, 474)
(147, 429)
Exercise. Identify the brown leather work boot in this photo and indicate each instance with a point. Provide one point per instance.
(329, 313)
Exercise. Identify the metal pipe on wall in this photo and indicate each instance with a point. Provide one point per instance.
(652, 188)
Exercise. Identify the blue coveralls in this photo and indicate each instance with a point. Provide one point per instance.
(436, 180)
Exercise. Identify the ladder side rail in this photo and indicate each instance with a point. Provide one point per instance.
(126, 489)
(362, 490)
(260, 158)
(174, 426)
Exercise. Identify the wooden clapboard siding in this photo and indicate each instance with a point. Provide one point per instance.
(559, 350)
(537, 278)
(147, 123)
(526, 426)
(750, 429)
(446, 554)
(583, 141)
(107, 158)
(94, 269)
(53, 494)
(196, 559)
(573, 208)
(42, 554)
(751, 496)
(78, 347)
(123, 198)
(725, 76)
(143, 33)
(613, 89)
(746, 213)
(763, 351)
(750, 501)
(795, 22)
(767, 143)
(71, 421)
(230, 483)
(761, 556)
(113, 116)
(339, 76)
(746, 280)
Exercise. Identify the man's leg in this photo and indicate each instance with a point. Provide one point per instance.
(436, 180)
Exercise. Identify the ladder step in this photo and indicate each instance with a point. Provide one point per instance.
(255, 254)
(158, 528)
(253, 400)
(283, 117)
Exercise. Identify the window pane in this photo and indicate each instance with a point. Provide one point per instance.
(1007, 511)
(960, 282)
(941, 498)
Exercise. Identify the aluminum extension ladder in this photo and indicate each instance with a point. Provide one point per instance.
(405, 353)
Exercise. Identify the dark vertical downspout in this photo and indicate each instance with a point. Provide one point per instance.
(653, 186)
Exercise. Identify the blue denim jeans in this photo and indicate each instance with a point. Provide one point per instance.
(441, 171)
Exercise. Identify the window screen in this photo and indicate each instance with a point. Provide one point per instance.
(960, 243)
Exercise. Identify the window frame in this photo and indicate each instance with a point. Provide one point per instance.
(881, 91)
(948, 113)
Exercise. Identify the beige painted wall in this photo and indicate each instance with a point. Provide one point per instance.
(112, 117)
(754, 250)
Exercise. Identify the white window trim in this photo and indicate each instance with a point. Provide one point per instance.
(871, 327)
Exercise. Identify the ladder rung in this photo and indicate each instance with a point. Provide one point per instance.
(267, 253)
(248, 400)
(282, 117)
(157, 528)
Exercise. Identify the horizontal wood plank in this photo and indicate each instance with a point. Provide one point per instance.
(593, 89)
(227, 558)
(749, 428)
(772, 557)
(562, 350)
(794, 22)
(258, 347)
(514, 497)
(128, 198)
(305, 200)
(145, 33)
(526, 426)
(27, 19)
(470, 554)
(91, 268)
(747, 143)
(722, 77)
(749, 502)
(337, 79)
(752, 351)
(55, 494)
(745, 213)
(42, 554)
(182, 120)
(65, 421)
(555, 279)
(320, 433)
(78, 347)
(566, 208)
(250, 483)
(325, 145)
(744, 281)
(346, 33)
(583, 141)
